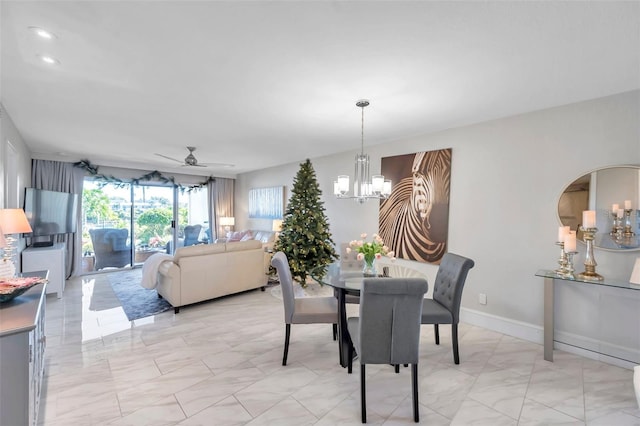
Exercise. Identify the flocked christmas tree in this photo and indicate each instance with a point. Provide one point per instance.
(305, 236)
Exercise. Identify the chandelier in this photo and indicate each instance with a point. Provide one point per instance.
(363, 187)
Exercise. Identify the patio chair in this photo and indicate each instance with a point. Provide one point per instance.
(110, 247)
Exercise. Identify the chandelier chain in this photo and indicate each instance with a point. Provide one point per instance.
(362, 132)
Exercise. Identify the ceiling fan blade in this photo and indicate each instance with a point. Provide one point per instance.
(222, 165)
(169, 158)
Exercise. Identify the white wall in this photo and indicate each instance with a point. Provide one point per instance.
(15, 169)
(15, 158)
(507, 176)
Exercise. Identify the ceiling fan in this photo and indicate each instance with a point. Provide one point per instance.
(191, 160)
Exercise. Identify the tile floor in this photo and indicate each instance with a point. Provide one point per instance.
(219, 363)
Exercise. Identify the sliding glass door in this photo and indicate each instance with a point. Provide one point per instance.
(124, 224)
(106, 226)
(152, 220)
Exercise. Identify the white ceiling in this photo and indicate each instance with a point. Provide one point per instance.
(258, 84)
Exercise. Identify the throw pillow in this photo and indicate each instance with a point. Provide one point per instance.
(247, 236)
(234, 236)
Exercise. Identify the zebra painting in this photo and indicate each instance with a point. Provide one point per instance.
(414, 220)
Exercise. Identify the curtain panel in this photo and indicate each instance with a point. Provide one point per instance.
(62, 177)
(221, 193)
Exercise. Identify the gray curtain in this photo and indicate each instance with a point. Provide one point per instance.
(63, 177)
(221, 193)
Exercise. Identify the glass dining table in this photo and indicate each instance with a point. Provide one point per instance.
(349, 281)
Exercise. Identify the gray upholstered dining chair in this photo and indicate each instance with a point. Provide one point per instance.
(388, 329)
(307, 310)
(444, 308)
(349, 262)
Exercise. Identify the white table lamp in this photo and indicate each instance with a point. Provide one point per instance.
(12, 221)
(227, 222)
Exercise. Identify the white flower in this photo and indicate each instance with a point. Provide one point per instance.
(363, 235)
(360, 256)
(348, 250)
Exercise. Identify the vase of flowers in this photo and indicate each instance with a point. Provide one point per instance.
(369, 252)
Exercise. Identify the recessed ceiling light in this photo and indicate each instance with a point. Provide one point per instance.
(43, 33)
(49, 60)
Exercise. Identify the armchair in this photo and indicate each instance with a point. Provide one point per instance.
(110, 247)
(191, 235)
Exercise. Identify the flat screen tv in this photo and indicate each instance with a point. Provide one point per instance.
(50, 213)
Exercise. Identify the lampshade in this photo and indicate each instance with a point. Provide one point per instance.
(227, 221)
(277, 225)
(14, 221)
(635, 275)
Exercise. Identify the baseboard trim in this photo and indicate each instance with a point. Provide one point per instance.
(519, 329)
(535, 334)
(594, 355)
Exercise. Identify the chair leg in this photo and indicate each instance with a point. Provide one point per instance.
(286, 343)
(350, 358)
(436, 331)
(335, 332)
(454, 339)
(397, 368)
(363, 392)
(414, 386)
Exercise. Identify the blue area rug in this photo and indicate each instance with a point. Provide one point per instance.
(137, 301)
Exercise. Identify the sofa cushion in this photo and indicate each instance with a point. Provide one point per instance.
(243, 245)
(197, 250)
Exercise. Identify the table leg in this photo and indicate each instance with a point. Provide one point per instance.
(548, 319)
(343, 333)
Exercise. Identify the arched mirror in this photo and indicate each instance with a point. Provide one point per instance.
(614, 193)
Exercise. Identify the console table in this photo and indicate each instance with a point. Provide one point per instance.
(550, 278)
(22, 344)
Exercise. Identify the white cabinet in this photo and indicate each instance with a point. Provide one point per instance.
(49, 258)
(22, 345)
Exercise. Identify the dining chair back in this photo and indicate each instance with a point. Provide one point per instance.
(349, 259)
(307, 310)
(349, 262)
(444, 308)
(388, 328)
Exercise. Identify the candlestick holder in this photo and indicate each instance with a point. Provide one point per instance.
(616, 229)
(588, 235)
(562, 260)
(627, 224)
(568, 273)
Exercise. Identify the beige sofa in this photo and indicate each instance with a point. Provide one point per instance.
(207, 271)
